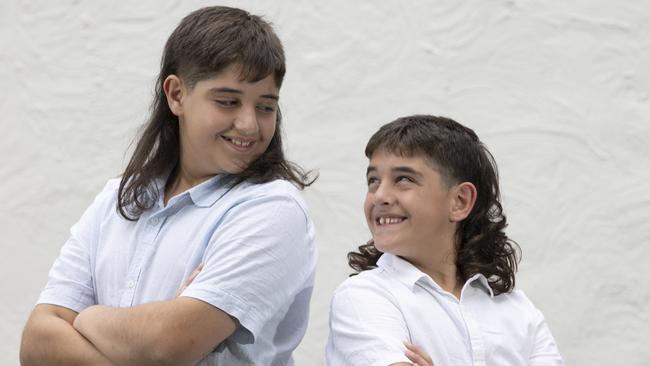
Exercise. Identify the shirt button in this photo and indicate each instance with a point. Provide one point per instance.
(154, 221)
(130, 284)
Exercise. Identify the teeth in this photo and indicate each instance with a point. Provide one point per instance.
(389, 220)
(240, 143)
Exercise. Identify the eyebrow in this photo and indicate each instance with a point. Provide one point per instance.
(397, 169)
(237, 91)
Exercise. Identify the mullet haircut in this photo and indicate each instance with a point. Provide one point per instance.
(456, 152)
(206, 42)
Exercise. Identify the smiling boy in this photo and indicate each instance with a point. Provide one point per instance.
(202, 252)
(436, 282)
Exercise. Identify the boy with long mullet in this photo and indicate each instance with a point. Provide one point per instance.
(202, 251)
(436, 282)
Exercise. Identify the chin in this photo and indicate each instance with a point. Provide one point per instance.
(236, 168)
(383, 246)
(234, 171)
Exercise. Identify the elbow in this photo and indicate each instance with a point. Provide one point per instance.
(23, 356)
(25, 359)
(26, 353)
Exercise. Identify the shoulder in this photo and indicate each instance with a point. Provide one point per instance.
(367, 287)
(278, 187)
(517, 305)
(278, 193)
(275, 207)
(111, 187)
(107, 197)
(516, 297)
(366, 280)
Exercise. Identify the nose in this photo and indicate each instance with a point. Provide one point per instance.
(383, 195)
(246, 121)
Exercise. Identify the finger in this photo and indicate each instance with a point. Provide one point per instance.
(194, 274)
(189, 279)
(415, 358)
(418, 351)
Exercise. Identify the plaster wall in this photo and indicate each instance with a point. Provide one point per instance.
(558, 91)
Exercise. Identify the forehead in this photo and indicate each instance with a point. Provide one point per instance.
(383, 159)
(231, 78)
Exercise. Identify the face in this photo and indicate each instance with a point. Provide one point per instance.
(407, 206)
(224, 123)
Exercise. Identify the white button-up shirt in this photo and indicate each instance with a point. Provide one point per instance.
(374, 312)
(256, 244)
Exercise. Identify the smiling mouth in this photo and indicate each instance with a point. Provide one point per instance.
(381, 221)
(237, 142)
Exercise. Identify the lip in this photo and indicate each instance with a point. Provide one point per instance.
(239, 148)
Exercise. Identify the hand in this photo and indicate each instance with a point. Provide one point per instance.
(189, 280)
(417, 355)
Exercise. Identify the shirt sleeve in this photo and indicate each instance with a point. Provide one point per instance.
(70, 279)
(259, 259)
(366, 326)
(545, 351)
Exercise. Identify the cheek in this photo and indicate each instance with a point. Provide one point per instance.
(267, 128)
(367, 207)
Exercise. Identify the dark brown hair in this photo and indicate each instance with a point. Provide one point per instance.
(456, 152)
(206, 42)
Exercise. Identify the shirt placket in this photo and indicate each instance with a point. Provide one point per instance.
(142, 252)
(475, 335)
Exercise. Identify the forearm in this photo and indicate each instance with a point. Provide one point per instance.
(159, 333)
(50, 339)
(125, 335)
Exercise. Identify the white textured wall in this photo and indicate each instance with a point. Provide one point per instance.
(560, 92)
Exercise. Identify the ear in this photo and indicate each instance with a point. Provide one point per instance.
(174, 91)
(463, 200)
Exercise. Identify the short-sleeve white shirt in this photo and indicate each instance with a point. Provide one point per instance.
(256, 244)
(374, 312)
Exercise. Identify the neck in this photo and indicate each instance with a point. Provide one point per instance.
(439, 262)
(180, 181)
(444, 272)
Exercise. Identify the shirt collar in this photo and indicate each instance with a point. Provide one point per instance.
(204, 194)
(207, 193)
(479, 281)
(409, 275)
(400, 269)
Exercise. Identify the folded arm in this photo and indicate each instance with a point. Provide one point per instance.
(545, 351)
(181, 331)
(366, 327)
(50, 339)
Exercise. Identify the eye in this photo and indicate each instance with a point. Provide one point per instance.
(404, 179)
(372, 181)
(227, 103)
(266, 108)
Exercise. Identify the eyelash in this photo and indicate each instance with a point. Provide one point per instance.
(234, 103)
(404, 177)
(227, 103)
(267, 109)
(399, 179)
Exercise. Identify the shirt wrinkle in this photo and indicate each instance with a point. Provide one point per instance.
(113, 261)
(478, 329)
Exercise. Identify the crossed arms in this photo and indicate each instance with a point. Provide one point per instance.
(181, 331)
